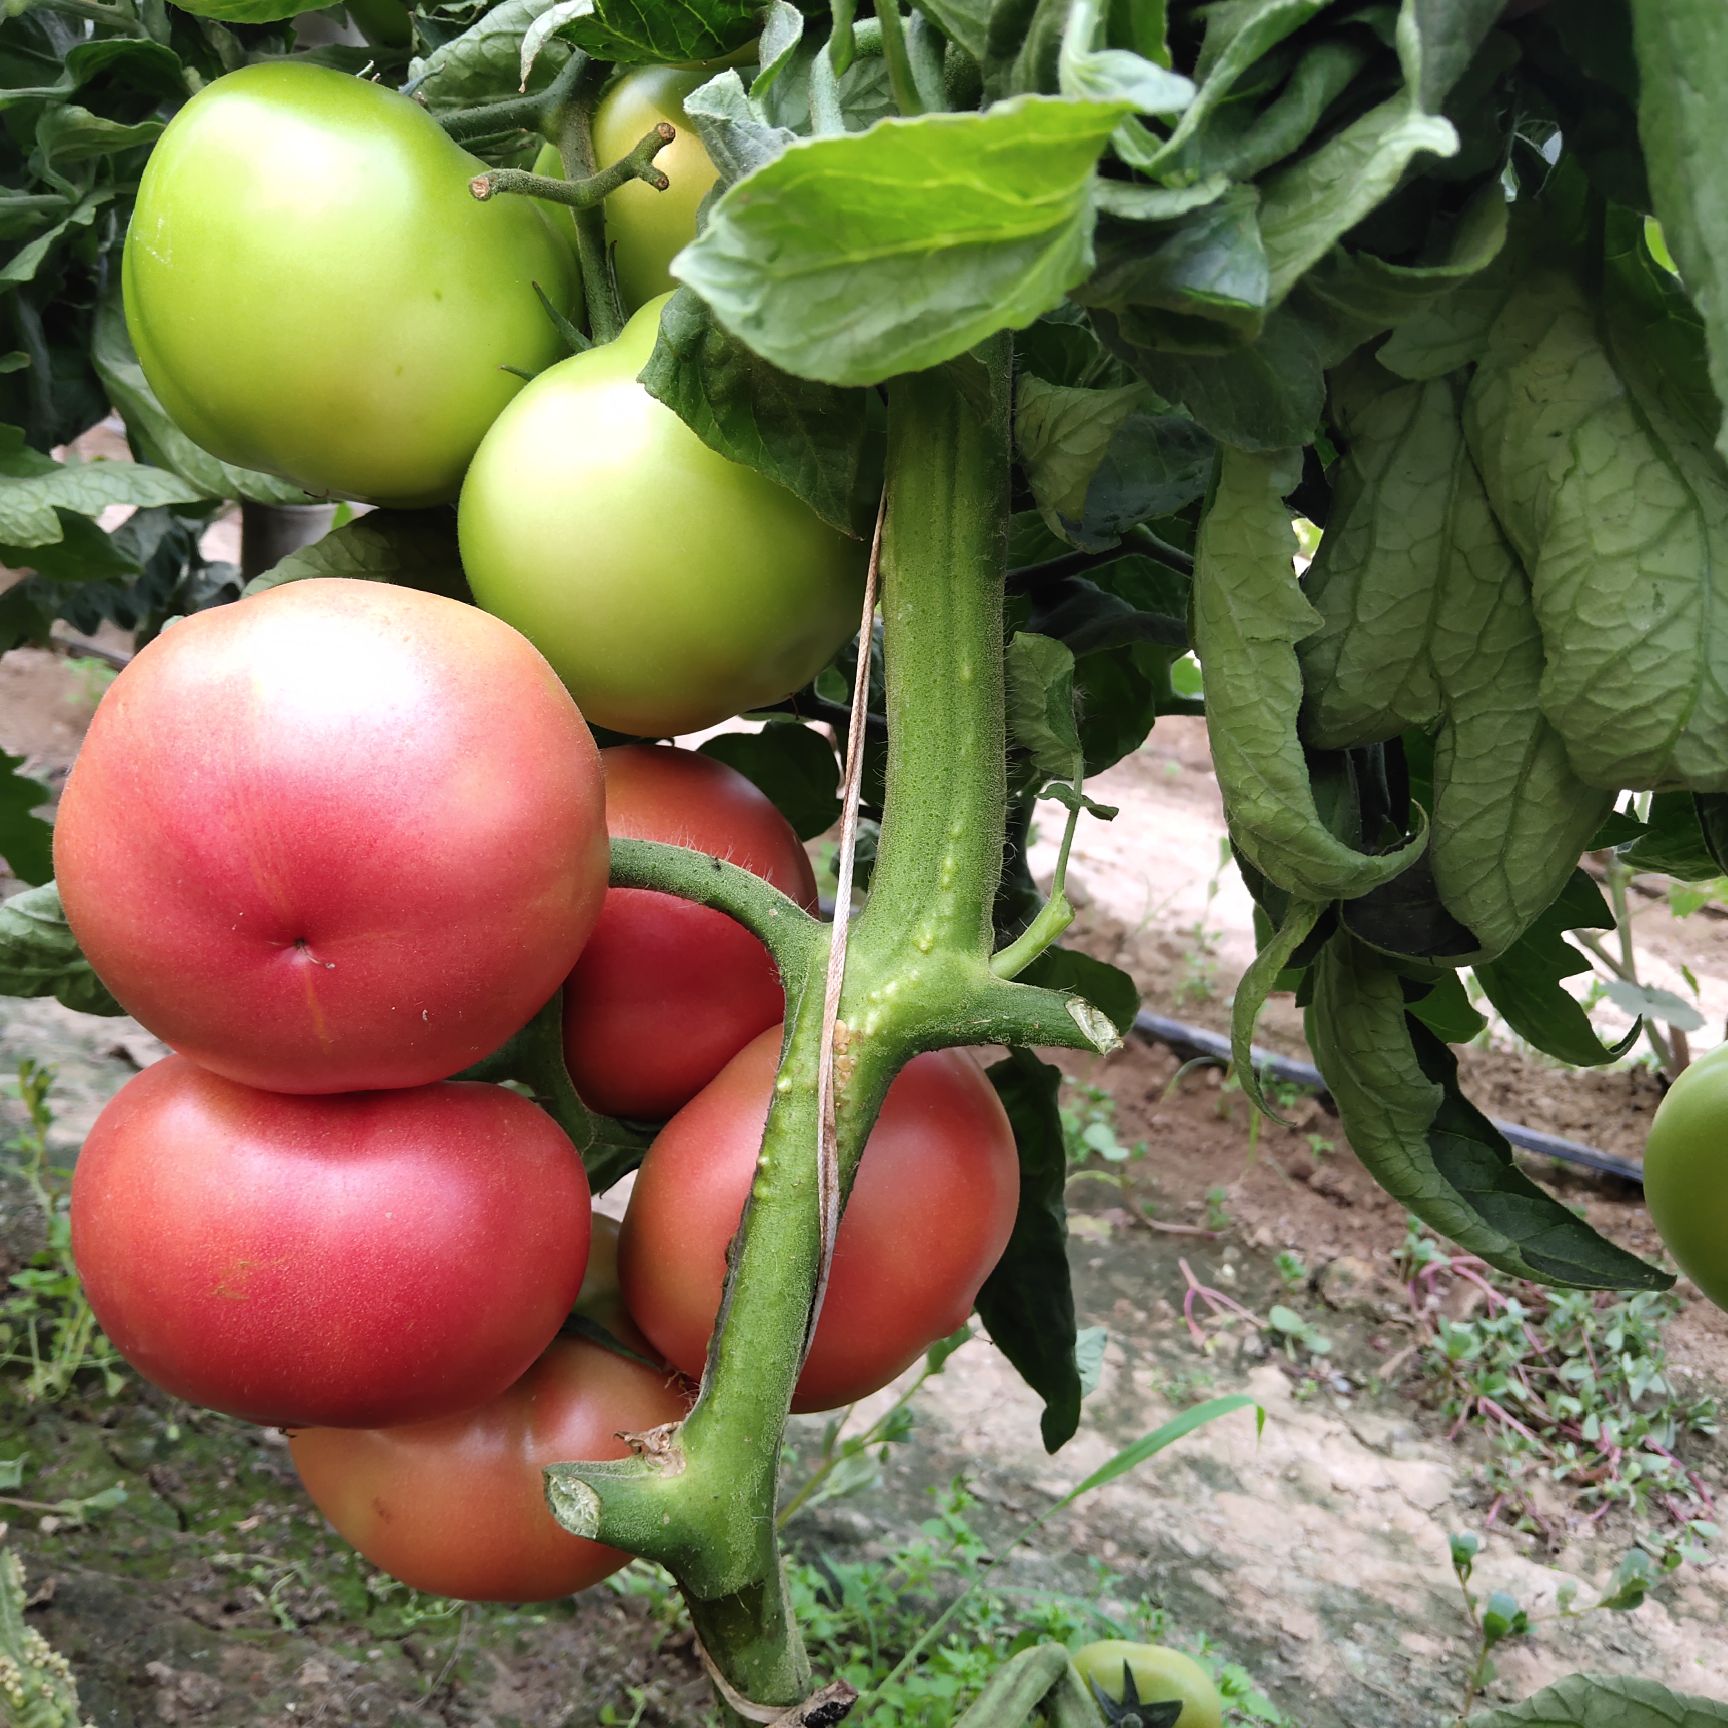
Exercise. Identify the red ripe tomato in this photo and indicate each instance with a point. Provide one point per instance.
(336, 837)
(666, 992)
(459, 1507)
(371, 1258)
(929, 1215)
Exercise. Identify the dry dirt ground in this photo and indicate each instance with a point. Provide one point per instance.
(1315, 1554)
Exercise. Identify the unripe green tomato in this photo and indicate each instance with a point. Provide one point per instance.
(1161, 1676)
(669, 587)
(647, 229)
(313, 290)
(1686, 1173)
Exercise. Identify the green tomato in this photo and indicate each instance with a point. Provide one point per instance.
(1161, 1676)
(1686, 1173)
(669, 587)
(647, 229)
(313, 290)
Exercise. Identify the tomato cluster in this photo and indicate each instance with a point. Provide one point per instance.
(339, 841)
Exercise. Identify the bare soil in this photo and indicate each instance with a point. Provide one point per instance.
(1315, 1554)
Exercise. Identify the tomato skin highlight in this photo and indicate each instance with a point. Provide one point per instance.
(930, 1212)
(458, 1507)
(313, 290)
(336, 837)
(1161, 1676)
(667, 992)
(646, 228)
(371, 1258)
(669, 587)
(1686, 1173)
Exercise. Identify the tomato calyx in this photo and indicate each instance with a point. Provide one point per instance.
(1130, 1711)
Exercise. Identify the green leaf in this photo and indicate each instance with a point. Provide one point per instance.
(1236, 37)
(72, 134)
(1607, 1701)
(1108, 988)
(1263, 397)
(650, 32)
(1249, 614)
(851, 258)
(1436, 39)
(793, 765)
(1027, 1303)
(26, 841)
(1524, 982)
(1306, 206)
(1257, 983)
(1396, 1089)
(33, 488)
(150, 66)
(1586, 421)
(1683, 66)
(1427, 614)
(484, 63)
(242, 11)
(1447, 1012)
(739, 139)
(40, 957)
(413, 548)
(965, 22)
(1673, 841)
(1648, 1002)
(821, 443)
(1040, 703)
(1713, 822)
(153, 434)
(1100, 461)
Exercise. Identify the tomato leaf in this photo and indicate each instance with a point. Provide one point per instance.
(1100, 461)
(1607, 1701)
(40, 957)
(1682, 48)
(1396, 1087)
(1040, 702)
(1581, 404)
(25, 839)
(1258, 982)
(1523, 983)
(412, 548)
(793, 765)
(649, 32)
(1673, 840)
(851, 258)
(484, 63)
(34, 488)
(1249, 613)
(821, 443)
(1027, 1303)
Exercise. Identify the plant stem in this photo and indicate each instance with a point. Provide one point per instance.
(535, 113)
(575, 140)
(584, 194)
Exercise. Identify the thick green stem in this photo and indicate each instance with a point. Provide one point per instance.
(944, 558)
(576, 150)
(539, 112)
(900, 80)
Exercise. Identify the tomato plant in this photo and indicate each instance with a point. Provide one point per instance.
(669, 586)
(666, 993)
(280, 754)
(648, 228)
(287, 205)
(370, 1258)
(1686, 1173)
(458, 1506)
(928, 1217)
(1158, 1675)
(1044, 326)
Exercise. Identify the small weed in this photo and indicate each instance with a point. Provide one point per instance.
(862, 1617)
(1572, 1388)
(46, 1326)
(1292, 1269)
(1218, 1209)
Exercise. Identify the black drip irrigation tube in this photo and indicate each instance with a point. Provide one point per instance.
(1196, 1043)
